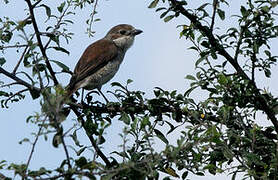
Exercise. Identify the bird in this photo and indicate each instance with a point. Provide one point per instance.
(101, 60)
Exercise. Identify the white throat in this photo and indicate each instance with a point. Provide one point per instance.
(124, 42)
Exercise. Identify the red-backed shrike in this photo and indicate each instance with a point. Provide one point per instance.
(101, 60)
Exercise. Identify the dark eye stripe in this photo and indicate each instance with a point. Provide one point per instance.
(123, 32)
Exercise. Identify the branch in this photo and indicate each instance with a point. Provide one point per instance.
(37, 32)
(33, 149)
(215, 43)
(19, 81)
(20, 60)
(91, 138)
(241, 34)
(14, 46)
(92, 17)
(66, 151)
(215, 3)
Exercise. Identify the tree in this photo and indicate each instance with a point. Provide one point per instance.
(219, 133)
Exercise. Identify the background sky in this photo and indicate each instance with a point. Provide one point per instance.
(158, 58)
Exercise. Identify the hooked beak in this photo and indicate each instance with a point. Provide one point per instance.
(136, 32)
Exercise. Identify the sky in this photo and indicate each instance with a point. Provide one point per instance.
(158, 58)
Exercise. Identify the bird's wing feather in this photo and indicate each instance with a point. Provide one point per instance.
(96, 56)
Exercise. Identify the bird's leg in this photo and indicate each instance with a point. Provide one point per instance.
(99, 90)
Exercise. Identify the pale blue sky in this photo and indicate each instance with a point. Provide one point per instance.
(157, 58)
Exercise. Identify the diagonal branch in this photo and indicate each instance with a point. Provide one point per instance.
(215, 43)
(91, 138)
(33, 149)
(37, 32)
(19, 81)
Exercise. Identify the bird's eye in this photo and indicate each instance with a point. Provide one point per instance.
(122, 32)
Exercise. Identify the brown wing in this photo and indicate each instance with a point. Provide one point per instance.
(96, 56)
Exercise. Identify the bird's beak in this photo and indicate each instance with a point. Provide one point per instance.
(136, 32)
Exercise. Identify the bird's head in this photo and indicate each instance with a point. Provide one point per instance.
(123, 35)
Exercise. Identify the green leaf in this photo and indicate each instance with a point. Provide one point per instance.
(3, 93)
(243, 11)
(221, 14)
(78, 153)
(61, 7)
(200, 174)
(200, 60)
(47, 10)
(117, 84)
(222, 79)
(75, 139)
(153, 4)
(61, 65)
(81, 162)
(34, 93)
(145, 121)
(2, 61)
(164, 14)
(159, 9)
(265, 9)
(184, 175)
(190, 77)
(61, 49)
(129, 81)
(161, 136)
(57, 139)
(24, 140)
(203, 6)
(125, 118)
(168, 18)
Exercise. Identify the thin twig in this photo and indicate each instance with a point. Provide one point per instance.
(36, 3)
(215, 3)
(14, 46)
(241, 35)
(57, 25)
(10, 84)
(20, 60)
(24, 52)
(33, 149)
(37, 32)
(15, 94)
(93, 15)
(66, 151)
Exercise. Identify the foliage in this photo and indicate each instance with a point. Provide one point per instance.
(217, 134)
